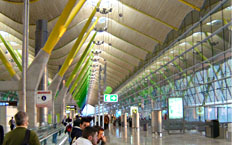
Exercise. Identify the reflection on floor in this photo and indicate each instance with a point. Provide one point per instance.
(129, 136)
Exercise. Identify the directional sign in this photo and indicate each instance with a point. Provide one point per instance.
(44, 98)
(110, 98)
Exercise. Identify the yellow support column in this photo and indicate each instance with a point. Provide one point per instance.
(59, 28)
(7, 63)
(76, 47)
(190, 5)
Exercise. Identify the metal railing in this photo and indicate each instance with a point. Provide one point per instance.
(49, 133)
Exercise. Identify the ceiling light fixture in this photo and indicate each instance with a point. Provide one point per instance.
(101, 29)
(98, 42)
(104, 11)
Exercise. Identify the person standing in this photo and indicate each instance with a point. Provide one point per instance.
(77, 130)
(12, 123)
(19, 135)
(1, 134)
(89, 137)
(101, 139)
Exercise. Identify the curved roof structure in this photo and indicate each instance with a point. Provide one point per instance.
(127, 34)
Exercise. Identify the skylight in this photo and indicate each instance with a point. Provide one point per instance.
(102, 20)
(183, 44)
(229, 8)
(196, 34)
(104, 3)
(4, 34)
(214, 22)
(13, 43)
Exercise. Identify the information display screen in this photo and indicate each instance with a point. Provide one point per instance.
(71, 107)
(175, 108)
(118, 113)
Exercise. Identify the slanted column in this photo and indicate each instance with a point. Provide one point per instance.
(41, 36)
(60, 102)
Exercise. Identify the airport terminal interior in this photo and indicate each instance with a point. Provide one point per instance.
(151, 72)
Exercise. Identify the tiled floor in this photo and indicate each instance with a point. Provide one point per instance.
(129, 136)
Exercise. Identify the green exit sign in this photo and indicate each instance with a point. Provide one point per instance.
(110, 98)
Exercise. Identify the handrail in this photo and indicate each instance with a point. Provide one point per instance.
(50, 134)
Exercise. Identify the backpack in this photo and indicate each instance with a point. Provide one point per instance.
(26, 138)
(69, 128)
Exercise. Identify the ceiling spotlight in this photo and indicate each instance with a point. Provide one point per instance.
(110, 44)
(94, 65)
(95, 59)
(104, 10)
(101, 29)
(11, 60)
(98, 42)
(96, 52)
(120, 14)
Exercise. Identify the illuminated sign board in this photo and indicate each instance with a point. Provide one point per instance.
(110, 98)
(175, 108)
(8, 103)
(70, 107)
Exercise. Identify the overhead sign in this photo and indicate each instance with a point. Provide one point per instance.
(175, 108)
(8, 103)
(110, 98)
(43, 98)
(71, 108)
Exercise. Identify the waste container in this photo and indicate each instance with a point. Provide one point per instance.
(212, 128)
(145, 126)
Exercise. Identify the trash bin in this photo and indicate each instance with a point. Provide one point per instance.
(145, 126)
(130, 123)
(212, 130)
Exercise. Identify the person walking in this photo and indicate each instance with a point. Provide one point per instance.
(21, 135)
(12, 123)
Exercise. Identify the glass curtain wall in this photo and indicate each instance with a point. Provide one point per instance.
(197, 68)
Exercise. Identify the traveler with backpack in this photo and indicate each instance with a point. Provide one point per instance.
(21, 135)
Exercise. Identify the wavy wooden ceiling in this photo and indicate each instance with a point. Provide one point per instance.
(127, 41)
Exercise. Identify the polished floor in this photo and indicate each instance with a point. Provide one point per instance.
(128, 136)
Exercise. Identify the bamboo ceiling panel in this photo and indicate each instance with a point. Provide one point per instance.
(116, 61)
(122, 55)
(132, 36)
(118, 68)
(45, 9)
(196, 3)
(145, 25)
(125, 46)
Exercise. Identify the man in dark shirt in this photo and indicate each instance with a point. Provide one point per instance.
(16, 136)
(12, 123)
(77, 130)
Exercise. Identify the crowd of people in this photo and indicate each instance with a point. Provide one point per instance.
(19, 135)
(82, 133)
